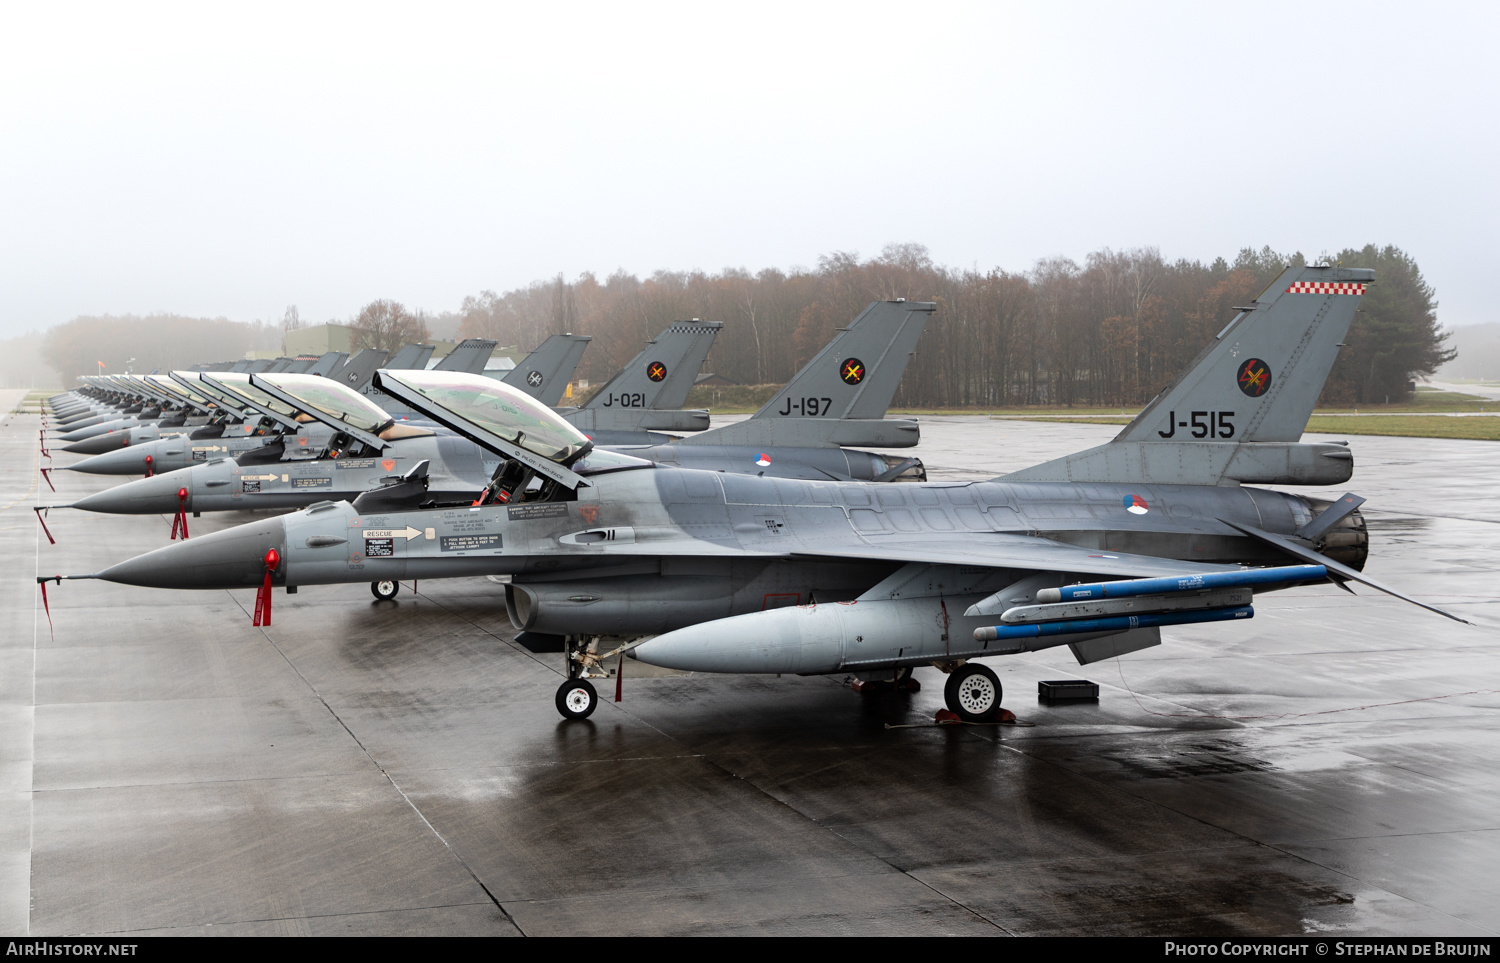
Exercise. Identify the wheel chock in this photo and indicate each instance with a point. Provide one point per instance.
(947, 717)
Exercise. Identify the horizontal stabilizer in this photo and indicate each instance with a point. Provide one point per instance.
(813, 433)
(1335, 569)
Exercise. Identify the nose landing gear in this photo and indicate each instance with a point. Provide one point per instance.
(385, 589)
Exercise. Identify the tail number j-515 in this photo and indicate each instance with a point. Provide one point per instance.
(808, 407)
(1204, 424)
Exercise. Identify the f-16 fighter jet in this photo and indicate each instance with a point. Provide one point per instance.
(846, 407)
(719, 572)
(210, 423)
(252, 423)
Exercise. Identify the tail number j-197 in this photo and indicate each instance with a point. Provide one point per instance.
(1205, 424)
(807, 407)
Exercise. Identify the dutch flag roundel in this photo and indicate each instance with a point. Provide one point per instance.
(1136, 505)
(763, 460)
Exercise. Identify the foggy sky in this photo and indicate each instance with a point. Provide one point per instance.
(215, 161)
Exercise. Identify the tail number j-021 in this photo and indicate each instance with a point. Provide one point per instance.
(626, 399)
(1205, 424)
(808, 407)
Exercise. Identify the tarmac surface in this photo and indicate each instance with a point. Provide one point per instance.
(362, 767)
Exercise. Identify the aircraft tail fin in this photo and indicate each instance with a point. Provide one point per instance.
(661, 375)
(358, 370)
(545, 372)
(328, 363)
(1268, 365)
(857, 373)
(470, 355)
(1238, 412)
(841, 396)
(412, 357)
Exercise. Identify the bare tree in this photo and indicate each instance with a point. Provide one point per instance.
(387, 325)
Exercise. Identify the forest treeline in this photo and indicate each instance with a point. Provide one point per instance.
(1111, 330)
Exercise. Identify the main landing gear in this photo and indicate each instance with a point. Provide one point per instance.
(385, 589)
(576, 698)
(973, 693)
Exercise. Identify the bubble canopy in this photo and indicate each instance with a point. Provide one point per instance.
(499, 409)
(332, 398)
(239, 382)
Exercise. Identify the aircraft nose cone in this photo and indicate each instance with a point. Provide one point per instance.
(78, 422)
(147, 496)
(88, 431)
(125, 461)
(233, 558)
(101, 443)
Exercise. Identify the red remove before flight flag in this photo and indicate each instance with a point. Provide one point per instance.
(48, 478)
(149, 470)
(181, 517)
(42, 582)
(39, 510)
(263, 597)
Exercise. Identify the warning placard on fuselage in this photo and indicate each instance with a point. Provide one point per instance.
(468, 543)
(537, 510)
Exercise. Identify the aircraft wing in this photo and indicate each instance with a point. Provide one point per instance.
(1028, 552)
(987, 549)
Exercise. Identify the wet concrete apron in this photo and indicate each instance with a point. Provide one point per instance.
(395, 767)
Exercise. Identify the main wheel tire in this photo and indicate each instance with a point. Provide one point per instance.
(385, 589)
(576, 699)
(973, 692)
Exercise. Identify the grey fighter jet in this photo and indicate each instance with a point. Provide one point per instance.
(717, 572)
(541, 374)
(212, 424)
(837, 407)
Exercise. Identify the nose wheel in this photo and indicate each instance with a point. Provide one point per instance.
(973, 693)
(576, 699)
(385, 589)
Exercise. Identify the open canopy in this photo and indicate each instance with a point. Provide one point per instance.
(499, 409)
(332, 398)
